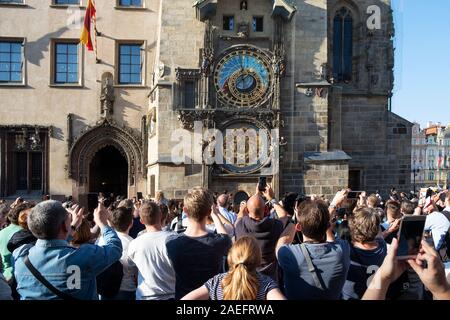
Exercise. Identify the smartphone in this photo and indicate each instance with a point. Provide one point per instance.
(262, 183)
(442, 196)
(410, 236)
(353, 194)
(139, 196)
(92, 202)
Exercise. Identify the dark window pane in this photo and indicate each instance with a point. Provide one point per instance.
(342, 45)
(67, 1)
(348, 48)
(228, 23)
(134, 3)
(189, 94)
(258, 24)
(337, 49)
(36, 171)
(21, 171)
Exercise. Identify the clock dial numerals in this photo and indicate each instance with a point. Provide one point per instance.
(243, 79)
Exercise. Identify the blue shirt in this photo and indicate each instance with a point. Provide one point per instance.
(331, 260)
(58, 262)
(230, 216)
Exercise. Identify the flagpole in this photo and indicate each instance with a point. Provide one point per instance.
(97, 60)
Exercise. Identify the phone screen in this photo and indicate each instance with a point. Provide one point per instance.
(410, 236)
(353, 194)
(92, 202)
(262, 184)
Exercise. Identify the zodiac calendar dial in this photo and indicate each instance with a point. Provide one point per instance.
(242, 78)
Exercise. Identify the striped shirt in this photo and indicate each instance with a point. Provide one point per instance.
(214, 286)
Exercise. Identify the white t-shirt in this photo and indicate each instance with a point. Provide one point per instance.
(439, 226)
(129, 270)
(156, 279)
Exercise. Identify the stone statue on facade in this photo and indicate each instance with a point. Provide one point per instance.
(107, 97)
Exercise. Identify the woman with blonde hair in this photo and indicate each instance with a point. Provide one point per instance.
(242, 282)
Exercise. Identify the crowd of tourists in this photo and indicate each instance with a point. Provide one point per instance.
(208, 247)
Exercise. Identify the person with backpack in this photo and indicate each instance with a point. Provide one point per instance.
(120, 283)
(318, 267)
(52, 269)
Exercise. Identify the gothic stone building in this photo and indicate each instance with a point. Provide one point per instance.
(312, 73)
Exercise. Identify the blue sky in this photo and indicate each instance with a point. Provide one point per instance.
(422, 71)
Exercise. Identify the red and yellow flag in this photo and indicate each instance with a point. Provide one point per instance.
(85, 37)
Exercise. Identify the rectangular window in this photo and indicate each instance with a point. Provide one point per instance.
(258, 24)
(189, 94)
(130, 63)
(66, 2)
(228, 23)
(11, 1)
(66, 63)
(130, 3)
(11, 61)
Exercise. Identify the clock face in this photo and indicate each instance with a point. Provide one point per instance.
(242, 78)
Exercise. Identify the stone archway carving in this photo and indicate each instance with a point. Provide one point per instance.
(106, 133)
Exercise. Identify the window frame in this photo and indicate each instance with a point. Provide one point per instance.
(223, 22)
(119, 6)
(80, 4)
(80, 54)
(22, 83)
(341, 77)
(143, 44)
(14, 4)
(254, 23)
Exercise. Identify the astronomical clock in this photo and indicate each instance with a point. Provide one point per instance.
(243, 77)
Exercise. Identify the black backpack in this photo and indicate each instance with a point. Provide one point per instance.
(109, 281)
(444, 251)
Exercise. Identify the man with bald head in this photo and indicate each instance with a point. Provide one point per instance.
(222, 202)
(253, 221)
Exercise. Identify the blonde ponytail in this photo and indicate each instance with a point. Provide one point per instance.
(241, 282)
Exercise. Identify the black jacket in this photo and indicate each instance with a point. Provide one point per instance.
(20, 238)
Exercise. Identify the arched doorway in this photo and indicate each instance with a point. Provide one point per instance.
(108, 172)
(107, 143)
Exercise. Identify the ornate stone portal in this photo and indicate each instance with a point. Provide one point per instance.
(106, 132)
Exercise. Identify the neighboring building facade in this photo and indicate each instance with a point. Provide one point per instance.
(430, 161)
(310, 73)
